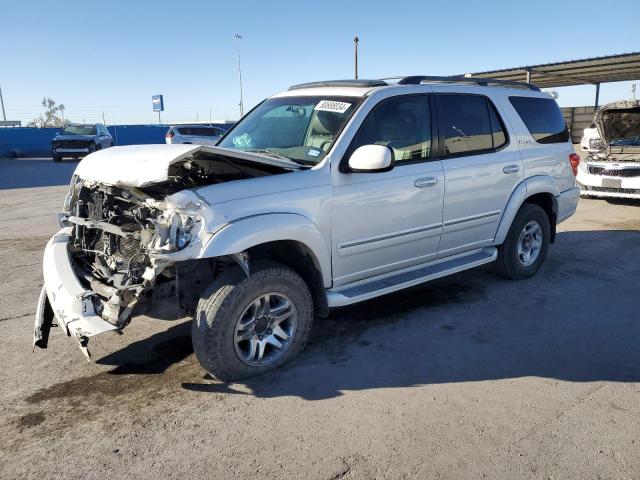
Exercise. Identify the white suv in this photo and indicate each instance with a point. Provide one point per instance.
(194, 134)
(325, 195)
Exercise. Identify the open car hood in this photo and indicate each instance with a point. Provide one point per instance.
(618, 120)
(144, 165)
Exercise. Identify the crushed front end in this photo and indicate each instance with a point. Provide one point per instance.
(118, 251)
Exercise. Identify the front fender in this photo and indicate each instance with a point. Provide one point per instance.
(248, 232)
(524, 190)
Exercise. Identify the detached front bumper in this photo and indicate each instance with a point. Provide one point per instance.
(64, 298)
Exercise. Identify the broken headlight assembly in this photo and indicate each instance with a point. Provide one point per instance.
(174, 232)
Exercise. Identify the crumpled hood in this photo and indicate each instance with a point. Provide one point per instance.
(618, 120)
(143, 165)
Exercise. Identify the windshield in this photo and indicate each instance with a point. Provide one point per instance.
(79, 130)
(301, 129)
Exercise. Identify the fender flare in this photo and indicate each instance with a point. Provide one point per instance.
(525, 189)
(244, 233)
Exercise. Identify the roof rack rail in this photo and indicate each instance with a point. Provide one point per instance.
(418, 79)
(341, 83)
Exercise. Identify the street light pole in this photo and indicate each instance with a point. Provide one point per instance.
(4, 116)
(238, 37)
(355, 44)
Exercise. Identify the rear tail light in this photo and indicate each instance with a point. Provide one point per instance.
(169, 134)
(574, 160)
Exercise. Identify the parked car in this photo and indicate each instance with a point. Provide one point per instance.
(325, 195)
(591, 141)
(615, 170)
(77, 140)
(194, 134)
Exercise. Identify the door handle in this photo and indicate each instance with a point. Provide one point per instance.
(511, 169)
(426, 182)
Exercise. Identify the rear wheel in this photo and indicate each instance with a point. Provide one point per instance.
(525, 248)
(247, 326)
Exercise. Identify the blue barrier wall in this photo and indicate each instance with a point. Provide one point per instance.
(36, 142)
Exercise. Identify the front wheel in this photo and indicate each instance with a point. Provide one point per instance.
(244, 327)
(525, 248)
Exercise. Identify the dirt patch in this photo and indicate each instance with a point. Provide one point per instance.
(26, 244)
(30, 420)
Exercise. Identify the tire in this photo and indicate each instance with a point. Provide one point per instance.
(512, 262)
(224, 314)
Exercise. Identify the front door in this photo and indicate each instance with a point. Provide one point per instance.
(391, 220)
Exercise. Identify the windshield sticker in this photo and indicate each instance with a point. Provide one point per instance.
(332, 106)
(313, 152)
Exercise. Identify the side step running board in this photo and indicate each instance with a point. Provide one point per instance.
(360, 291)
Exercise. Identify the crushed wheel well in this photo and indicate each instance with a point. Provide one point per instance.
(548, 203)
(301, 260)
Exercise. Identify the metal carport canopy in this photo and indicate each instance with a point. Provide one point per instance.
(596, 70)
(612, 68)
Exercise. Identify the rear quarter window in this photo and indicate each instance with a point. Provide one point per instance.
(543, 119)
(199, 131)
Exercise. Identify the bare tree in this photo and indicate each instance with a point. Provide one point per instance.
(53, 115)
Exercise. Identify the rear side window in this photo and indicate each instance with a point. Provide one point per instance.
(542, 118)
(199, 131)
(470, 124)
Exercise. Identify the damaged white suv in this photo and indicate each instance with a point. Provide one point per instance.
(614, 171)
(322, 196)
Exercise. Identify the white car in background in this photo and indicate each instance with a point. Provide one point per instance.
(614, 171)
(591, 141)
(195, 134)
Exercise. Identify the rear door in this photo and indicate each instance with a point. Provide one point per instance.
(481, 167)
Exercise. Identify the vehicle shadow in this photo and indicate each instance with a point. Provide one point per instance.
(577, 320)
(630, 202)
(35, 172)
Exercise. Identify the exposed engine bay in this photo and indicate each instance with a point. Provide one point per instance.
(121, 235)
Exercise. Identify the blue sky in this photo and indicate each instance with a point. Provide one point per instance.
(112, 56)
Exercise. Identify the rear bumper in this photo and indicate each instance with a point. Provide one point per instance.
(70, 302)
(567, 203)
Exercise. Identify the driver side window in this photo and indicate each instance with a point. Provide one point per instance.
(402, 123)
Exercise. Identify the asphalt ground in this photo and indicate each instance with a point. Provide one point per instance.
(471, 376)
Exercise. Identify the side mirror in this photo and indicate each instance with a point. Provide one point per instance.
(371, 159)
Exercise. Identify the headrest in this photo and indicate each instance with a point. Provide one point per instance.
(325, 123)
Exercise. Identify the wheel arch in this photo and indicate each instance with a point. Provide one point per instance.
(288, 238)
(541, 190)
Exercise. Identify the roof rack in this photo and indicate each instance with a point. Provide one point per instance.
(341, 83)
(418, 79)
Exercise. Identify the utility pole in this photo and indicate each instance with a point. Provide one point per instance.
(355, 45)
(4, 115)
(103, 120)
(633, 91)
(238, 37)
